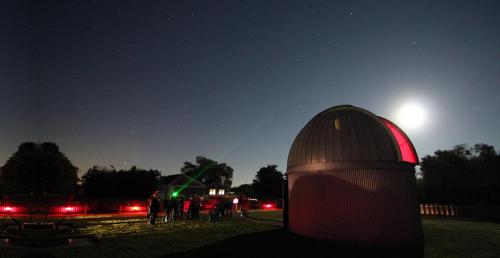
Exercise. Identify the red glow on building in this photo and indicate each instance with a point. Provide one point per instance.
(408, 153)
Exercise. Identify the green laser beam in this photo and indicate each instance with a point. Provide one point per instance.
(191, 179)
(228, 150)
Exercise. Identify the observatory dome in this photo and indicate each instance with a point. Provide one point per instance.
(349, 134)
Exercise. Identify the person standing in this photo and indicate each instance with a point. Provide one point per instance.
(195, 207)
(168, 208)
(153, 207)
(214, 212)
(187, 208)
(175, 207)
(180, 206)
(244, 205)
(228, 207)
(220, 206)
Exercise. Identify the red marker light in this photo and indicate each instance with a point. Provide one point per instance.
(8, 209)
(134, 208)
(267, 206)
(68, 209)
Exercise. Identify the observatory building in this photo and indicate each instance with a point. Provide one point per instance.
(352, 178)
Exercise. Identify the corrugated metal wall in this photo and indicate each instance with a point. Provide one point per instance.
(363, 205)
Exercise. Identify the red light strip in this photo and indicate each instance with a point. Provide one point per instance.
(408, 153)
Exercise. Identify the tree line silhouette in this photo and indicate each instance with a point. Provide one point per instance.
(461, 175)
(269, 184)
(124, 183)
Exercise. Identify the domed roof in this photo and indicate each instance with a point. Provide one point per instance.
(348, 133)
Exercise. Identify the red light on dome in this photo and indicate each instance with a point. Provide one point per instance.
(408, 153)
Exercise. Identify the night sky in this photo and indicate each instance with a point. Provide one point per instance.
(156, 83)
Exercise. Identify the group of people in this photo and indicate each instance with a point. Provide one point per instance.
(219, 207)
(179, 208)
(175, 208)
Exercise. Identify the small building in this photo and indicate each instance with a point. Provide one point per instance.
(351, 178)
(181, 184)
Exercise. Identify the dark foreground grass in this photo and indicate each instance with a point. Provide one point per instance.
(132, 237)
(236, 237)
(446, 238)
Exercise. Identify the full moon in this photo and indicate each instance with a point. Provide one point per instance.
(411, 116)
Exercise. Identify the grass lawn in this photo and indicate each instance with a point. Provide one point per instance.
(444, 237)
(456, 238)
(131, 237)
(269, 215)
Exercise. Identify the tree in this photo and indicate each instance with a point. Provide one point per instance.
(209, 172)
(131, 183)
(462, 175)
(269, 183)
(99, 182)
(38, 169)
(245, 189)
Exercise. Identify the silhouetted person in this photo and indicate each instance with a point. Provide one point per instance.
(244, 205)
(214, 212)
(153, 207)
(175, 212)
(195, 207)
(228, 207)
(168, 207)
(220, 206)
(187, 208)
(180, 206)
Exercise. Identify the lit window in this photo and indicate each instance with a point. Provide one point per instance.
(221, 191)
(211, 192)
